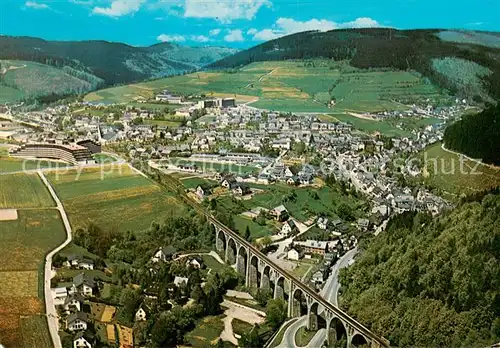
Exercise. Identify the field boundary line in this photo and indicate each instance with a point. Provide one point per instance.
(469, 158)
(50, 309)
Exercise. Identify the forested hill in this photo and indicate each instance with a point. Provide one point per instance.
(466, 63)
(477, 136)
(428, 282)
(112, 62)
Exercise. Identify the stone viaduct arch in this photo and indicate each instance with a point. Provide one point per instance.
(261, 272)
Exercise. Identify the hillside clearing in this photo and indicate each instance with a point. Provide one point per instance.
(295, 86)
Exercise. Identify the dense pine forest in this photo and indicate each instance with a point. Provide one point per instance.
(383, 48)
(477, 136)
(431, 282)
(111, 61)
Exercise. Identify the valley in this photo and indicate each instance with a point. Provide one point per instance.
(307, 191)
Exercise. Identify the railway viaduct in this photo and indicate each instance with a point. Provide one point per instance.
(261, 272)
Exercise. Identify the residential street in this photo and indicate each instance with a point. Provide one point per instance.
(52, 318)
(331, 288)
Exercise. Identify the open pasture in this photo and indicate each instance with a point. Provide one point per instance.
(455, 175)
(295, 86)
(35, 332)
(11, 164)
(23, 245)
(115, 197)
(23, 191)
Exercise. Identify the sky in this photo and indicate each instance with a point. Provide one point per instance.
(233, 23)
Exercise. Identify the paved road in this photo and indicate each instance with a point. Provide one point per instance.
(331, 288)
(469, 158)
(52, 319)
(330, 293)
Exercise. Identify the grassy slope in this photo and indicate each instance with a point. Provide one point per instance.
(26, 79)
(33, 194)
(291, 86)
(23, 244)
(444, 172)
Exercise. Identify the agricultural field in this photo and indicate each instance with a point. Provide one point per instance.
(371, 125)
(295, 86)
(10, 165)
(26, 79)
(23, 245)
(443, 171)
(303, 203)
(206, 332)
(113, 197)
(33, 194)
(192, 183)
(164, 123)
(256, 231)
(35, 332)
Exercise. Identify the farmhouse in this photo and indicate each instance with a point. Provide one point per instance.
(77, 321)
(83, 284)
(295, 254)
(289, 228)
(195, 262)
(179, 281)
(142, 313)
(78, 262)
(163, 254)
(279, 213)
(241, 189)
(73, 303)
(82, 340)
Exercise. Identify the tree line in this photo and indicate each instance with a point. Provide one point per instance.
(477, 136)
(431, 281)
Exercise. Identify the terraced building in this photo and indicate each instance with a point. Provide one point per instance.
(74, 154)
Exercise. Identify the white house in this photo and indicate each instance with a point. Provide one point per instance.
(141, 314)
(79, 262)
(74, 302)
(318, 277)
(294, 254)
(289, 228)
(82, 284)
(77, 321)
(80, 341)
(159, 256)
(179, 281)
(195, 263)
(59, 295)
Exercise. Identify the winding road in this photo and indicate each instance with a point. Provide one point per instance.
(330, 292)
(52, 318)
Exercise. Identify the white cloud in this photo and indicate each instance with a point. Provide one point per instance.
(199, 38)
(287, 26)
(234, 36)
(119, 8)
(171, 38)
(266, 35)
(224, 11)
(252, 31)
(82, 2)
(362, 22)
(215, 32)
(36, 5)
